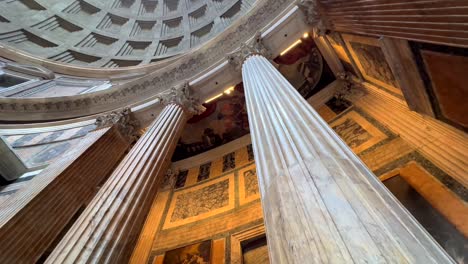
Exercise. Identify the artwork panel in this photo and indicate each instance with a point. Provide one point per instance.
(229, 162)
(204, 172)
(201, 201)
(226, 118)
(199, 253)
(357, 132)
(248, 185)
(370, 60)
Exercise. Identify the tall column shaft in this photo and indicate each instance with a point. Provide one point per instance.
(321, 203)
(31, 220)
(107, 230)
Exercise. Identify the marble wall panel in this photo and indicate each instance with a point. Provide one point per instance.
(443, 70)
(207, 199)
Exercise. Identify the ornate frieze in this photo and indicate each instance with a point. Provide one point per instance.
(126, 123)
(183, 95)
(155, 82)
(256, 46)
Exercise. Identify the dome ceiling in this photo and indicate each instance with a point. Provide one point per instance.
(113, 33)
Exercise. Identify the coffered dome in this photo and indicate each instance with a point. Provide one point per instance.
(113, 33)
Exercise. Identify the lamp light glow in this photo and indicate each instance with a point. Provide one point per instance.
(291, 47)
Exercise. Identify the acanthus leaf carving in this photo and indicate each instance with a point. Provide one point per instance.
(183, 95)
(126, 123)
(246, 50)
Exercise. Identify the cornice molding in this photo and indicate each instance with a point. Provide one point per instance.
(151, 85)
(182, 95)
(124, 120)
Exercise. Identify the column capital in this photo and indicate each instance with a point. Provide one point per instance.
(256, 46)
(314, 16)
(350, 89)
(182, 95)
(125, 121)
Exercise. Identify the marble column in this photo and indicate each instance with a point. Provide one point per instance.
(321, 204)
(32, 219)
(108, 229)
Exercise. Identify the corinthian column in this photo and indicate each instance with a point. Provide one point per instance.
(107, 230)
(321, 204)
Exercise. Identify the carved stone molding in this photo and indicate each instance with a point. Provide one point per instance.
(126, 123)
(246, 50)
(34, 70)
(351, 88)
(183, 95)
(314, 16)
(155, 82)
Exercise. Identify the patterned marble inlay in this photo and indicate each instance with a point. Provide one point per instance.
(201, 201)
(373, 60)
(358, 132)
(352, 133)
(370, 59)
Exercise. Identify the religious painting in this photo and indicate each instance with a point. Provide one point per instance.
(447, 91)
(248, 184)
(223, 121)
(335, 40)
(199, 253)
(370, 59)
(358, 133)
(226, 119)
(201, 201)
(305, 68)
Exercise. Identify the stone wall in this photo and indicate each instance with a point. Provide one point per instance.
(210, 201)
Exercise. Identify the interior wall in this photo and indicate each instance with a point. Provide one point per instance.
(428, 152)
(210, 201)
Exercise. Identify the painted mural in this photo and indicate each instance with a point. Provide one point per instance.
(226, 118)
(193, 254)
